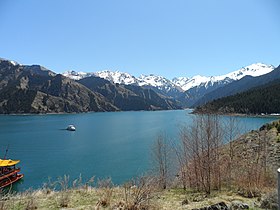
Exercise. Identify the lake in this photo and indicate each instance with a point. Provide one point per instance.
(112, 144)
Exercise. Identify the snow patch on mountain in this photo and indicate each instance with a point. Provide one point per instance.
(77, 75)
(12, 62)
(157, 81)
(178, 83)
(117, 77)
(187, 83)
(254, 70)
(127, 79)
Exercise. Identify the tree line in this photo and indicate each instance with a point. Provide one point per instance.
(265, 99)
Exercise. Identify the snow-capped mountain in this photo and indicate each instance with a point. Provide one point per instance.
(127, 79)
(113, 76)
(76, 75)
(254, 70)
(157, 81)
(183, 83)
(187, 83)
(187, 89)
(117, 77)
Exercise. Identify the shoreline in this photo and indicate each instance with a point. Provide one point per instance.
(273, 115)
(73, 113)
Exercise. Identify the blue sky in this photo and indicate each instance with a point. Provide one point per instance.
(168, 38)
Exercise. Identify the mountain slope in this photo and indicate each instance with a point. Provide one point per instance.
(158, 84)
(262, 99)
(128, 97)
(34, 89)
(241, 85)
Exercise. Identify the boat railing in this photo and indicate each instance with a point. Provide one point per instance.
(9, 171)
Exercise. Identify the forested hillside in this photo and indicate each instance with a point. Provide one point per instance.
(264, 99)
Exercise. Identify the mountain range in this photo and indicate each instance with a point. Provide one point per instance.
(35, 89)
(181, 83)
(187, 91)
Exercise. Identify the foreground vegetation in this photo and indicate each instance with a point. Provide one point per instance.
(198, 171)
(144, 196)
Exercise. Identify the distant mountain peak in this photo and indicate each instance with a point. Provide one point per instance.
(117, 77)
(10, 61)
(254, 70)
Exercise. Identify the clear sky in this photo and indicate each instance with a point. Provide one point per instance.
(164, 37)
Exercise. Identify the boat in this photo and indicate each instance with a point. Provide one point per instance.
(9, 173)
(71, 128)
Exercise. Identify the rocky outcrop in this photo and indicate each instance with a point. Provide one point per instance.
(218, 206)
(235, 205)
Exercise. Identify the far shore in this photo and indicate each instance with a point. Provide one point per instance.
(273, 115)
(68, 113)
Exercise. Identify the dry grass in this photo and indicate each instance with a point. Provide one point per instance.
(128, 197)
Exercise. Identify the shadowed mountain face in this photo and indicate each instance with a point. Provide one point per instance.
(128, 97)
(34, 89)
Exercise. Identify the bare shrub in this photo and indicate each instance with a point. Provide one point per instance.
(200, 158)
(252, 174)
(206, 163)
(49, 186)
(138, 193)
(231, 130)
(105, 191)
(161, 157)
(64, 183)
(77, 183)
(89, 183)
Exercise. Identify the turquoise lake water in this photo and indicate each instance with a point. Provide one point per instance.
(112, 144)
